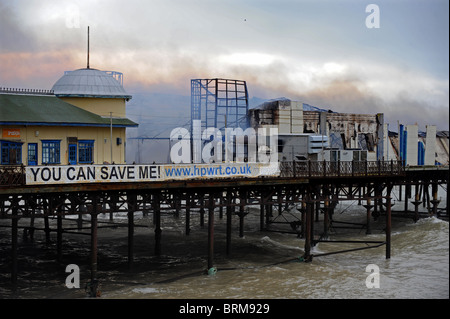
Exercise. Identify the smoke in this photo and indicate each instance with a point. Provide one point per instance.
(348, 97)
(403, 95)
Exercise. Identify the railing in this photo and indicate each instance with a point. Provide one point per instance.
(26, 91)
(337, 169)
(12, 175)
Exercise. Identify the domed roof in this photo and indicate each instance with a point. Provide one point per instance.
(89, 83)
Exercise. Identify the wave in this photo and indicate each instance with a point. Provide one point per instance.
(268, 240)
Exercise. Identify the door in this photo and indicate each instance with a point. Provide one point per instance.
(32, 154)
(73, 154)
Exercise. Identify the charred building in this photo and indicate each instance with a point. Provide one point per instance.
(307, 132)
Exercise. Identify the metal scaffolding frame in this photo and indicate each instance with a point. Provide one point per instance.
(219, 103)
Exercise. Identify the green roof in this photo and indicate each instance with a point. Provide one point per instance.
(25, 109)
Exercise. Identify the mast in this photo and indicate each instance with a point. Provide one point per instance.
(88, 47)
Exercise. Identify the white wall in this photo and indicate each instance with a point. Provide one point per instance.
(430, 145)
(411, 144)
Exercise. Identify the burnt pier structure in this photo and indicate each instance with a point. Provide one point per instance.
(314, 188)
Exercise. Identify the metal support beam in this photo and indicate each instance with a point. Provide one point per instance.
(241, 221)
(407, 196)
(416, 203)
(59, 232)
(202, 211)
(93, 285)
(14, 227)
(368, 207)
(188, 214)
(308, 231)
(210, 232)
(435, 201)
(261, 216)
(326, 219)
(157, 219)
(132, 203)
(230, 210)
(388, 222)
(303, 220)
(448, 198)
(47, 229)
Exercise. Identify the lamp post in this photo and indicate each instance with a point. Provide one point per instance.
(111, 135)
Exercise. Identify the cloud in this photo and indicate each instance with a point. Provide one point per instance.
(356, 97)
(353, 86)
(13, 36)
(34, 69)
(280, 50)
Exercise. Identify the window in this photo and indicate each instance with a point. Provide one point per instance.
(32, 154)
(11, 153)
(85, 151)
(51, 152)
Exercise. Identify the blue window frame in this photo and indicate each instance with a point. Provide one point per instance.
(11, 153)
(32, 154)
(85, 151)
(51, 151)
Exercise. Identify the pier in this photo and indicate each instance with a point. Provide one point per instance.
(313, 187)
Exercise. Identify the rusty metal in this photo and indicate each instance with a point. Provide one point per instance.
(12, 175)
(157, 217)
(368, 207)
(211, 207)
(388, 222)
(188, 213)
(229, 219)
(340, 168)
(308, 231)
(132, 204)
(14, 270)
(93, 284)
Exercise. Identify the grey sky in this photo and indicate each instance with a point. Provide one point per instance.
(319, 52)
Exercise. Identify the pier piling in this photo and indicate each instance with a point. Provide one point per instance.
(388, 222)
(93, 285)
(211, 232)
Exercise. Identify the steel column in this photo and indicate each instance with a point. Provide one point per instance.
(157, 219)
(202, 211)
(59, 236)
(210, 231)
(132, 202)
(308, 231)
(230, 210)
(388, 222)
(416, 203)
(188, 213)
(261, 215)
(93, 285)
(14, 227)
(368, 207)
(435, 201)
(326, 219)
